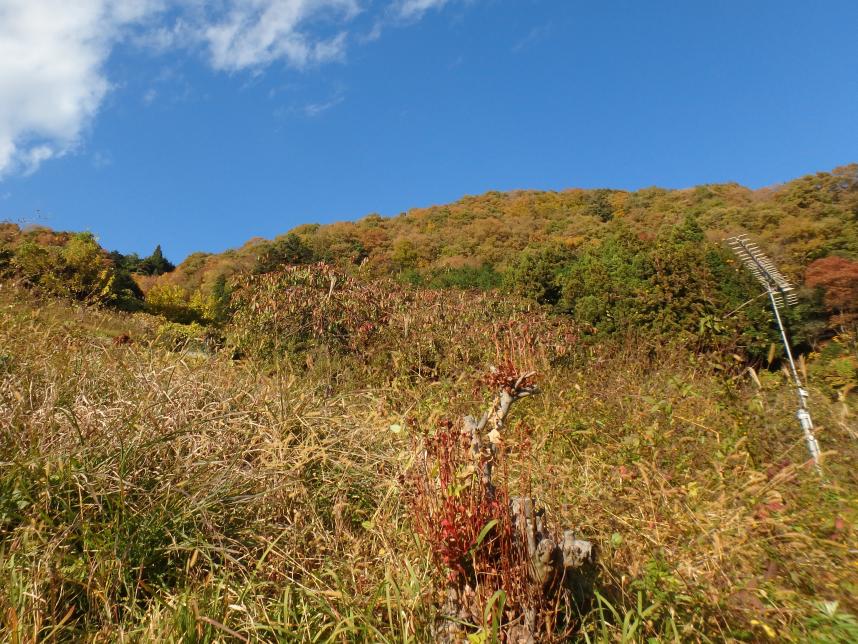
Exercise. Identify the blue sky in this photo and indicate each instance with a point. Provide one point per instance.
(200, 125)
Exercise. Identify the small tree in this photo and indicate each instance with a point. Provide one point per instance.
(536, 273)
(88, 274)
(220, 300)
(599, 205)
(33, 261)
(79, 269)
(214, 306)
(603, 286)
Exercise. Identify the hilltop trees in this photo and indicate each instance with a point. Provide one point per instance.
(647, 260)
(599, 205)
(838, 279)
(799, 222)
(155, 264)
(289, 250)
(677, 286)
(73, 266)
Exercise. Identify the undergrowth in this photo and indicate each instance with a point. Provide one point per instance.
(148, 494)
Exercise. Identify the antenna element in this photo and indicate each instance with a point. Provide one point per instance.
(781, 293)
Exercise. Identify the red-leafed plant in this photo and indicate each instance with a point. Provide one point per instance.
(489, 542)
(838, 278)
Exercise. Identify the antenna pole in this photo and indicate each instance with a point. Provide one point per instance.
(777, 287)
(803, 413)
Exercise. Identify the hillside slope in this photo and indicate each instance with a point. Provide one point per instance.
(238, 457)
(798, 222)
(162, 495)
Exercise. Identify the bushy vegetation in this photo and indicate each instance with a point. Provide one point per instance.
(155, 264)
(611, 258)
(149, 494)
(77, 268)
(615, 260)
(300, 313)
(74, 265)
(677, 288)
(236, 460)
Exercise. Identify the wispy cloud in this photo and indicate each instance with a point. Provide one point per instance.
(403, 12)
(314, 109)
(533, 36)
(414, 9)
(308, 110)
(101, 159)
(258, 32)
(149, 96)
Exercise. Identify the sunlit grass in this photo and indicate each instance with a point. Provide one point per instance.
(159, 496)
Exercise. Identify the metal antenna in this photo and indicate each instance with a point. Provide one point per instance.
(781, 293)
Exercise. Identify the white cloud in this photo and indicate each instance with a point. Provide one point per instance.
(149, 96)
(402, 12)
(257, 32)
(51, 79)
(102, 160)
(53, 53)
(534, 35)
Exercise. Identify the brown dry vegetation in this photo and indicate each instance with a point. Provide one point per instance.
(148, 494)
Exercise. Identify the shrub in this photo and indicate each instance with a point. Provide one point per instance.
(494, 545)
(466, 277)
(536, 273)
(837, 277)
(79, 269)
(171, 301)
(177, 337)
(420, 332)
(88, 273)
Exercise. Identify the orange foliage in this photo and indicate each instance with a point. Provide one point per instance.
(838, 277)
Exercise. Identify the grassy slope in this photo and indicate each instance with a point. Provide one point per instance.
(154, 495)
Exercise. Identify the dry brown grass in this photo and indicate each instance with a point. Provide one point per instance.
(143, 488)
(150, 495)
(699, 489)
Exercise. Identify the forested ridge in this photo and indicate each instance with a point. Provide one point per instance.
(797, 222)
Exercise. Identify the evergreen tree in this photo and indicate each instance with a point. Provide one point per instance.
(156, 263)
(537, 270)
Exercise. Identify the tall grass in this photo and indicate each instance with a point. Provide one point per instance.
(150, 495)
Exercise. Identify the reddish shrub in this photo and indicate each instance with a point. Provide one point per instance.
(838, 277)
